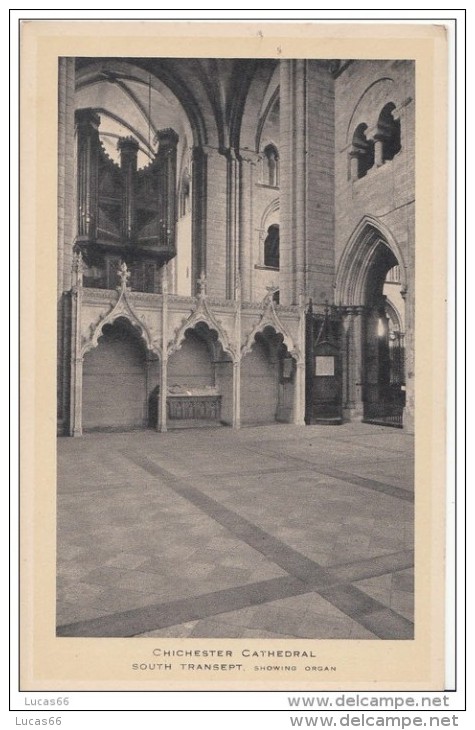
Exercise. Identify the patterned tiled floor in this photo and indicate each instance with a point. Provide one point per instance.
(273, 531)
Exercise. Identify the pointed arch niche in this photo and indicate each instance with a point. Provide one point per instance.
(119, 374)
(267, 378)
(200, 377)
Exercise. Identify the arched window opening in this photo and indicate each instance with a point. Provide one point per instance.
(362, 152)
(271, 166)
(271, 247)
(389, 133)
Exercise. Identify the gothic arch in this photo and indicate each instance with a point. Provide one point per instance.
(202, 315)
(270, 214)
(370, 103)
(270, 319)
(358, 258)
(122, 310)
(395, 315)
(270, 102)
(142, 71)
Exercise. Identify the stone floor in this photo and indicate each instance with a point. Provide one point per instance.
(272, 531)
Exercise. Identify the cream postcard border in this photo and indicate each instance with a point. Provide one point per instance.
(51, 663)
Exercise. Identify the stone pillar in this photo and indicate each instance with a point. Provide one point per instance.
(408, 416)
(347, 363)
(292, 178)
(210, 225)
(405, 113)
(357, 359)
(376, 136)
(199, 212)
(237, 394)
(162, 405)
(76, 429)
(307, 152)
(75, 410)
(248, 175)
(299, 394)
(233, 221)
(162, 400)
(354, 163)
(378, 151)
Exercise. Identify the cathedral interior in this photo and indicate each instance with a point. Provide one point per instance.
(236, 263)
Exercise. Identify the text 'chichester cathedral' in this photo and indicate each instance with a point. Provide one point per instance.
(235, 242)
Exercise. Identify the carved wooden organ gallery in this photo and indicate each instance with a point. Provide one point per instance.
(124, 214)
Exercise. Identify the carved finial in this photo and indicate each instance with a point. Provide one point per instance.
(124, 276)
(271, 290)
(78, 267)
(202, 284)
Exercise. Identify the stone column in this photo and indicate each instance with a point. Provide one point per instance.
(77, 396)
(354, 163)
(75, 426)
(237, 357)
(299, 394)
(233, 221)
(376, 136)
(199, 212)
(292, 178)
(210, 237)
(378, 150)
(307, 155)
(409, 364)
(357, 374)
(248, 174)
(162, 404)
(237, 394)
(348, 377)
(405, 114)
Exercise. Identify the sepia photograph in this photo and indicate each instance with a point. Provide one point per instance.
(237, 466)
(236, 345)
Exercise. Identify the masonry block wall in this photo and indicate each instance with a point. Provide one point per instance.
(191, 365)
(307, 180)
(320, 194)
(259, 387)
(385, 192)
(115, 383)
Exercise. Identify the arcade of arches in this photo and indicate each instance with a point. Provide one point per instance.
(236, 243)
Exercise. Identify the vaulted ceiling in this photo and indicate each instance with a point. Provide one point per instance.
(204, 100)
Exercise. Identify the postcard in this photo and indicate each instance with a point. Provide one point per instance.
(233, 286)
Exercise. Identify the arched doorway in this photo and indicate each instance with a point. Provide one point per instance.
(370, 290)
(118, 376)
(383, 345)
